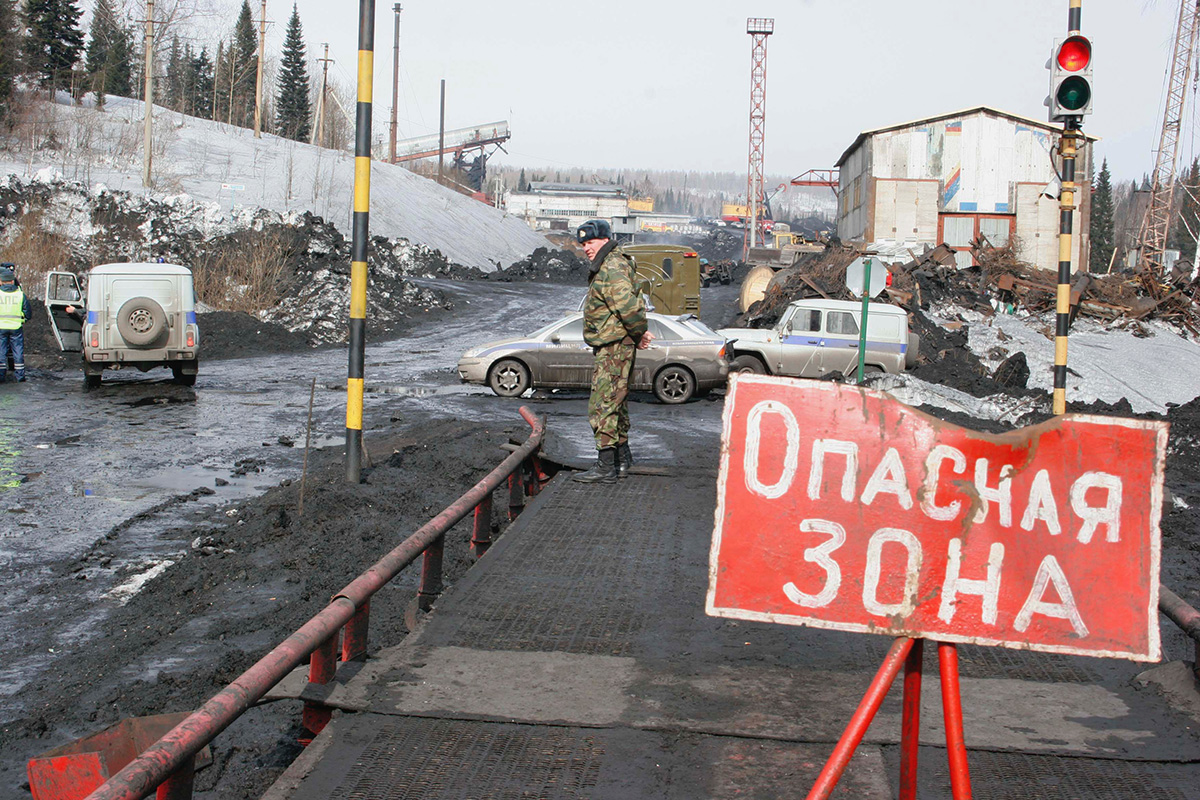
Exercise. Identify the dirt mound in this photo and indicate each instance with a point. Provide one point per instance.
(548, 266)
(41, 347)
(234, 334)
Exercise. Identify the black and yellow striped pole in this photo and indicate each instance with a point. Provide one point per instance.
(1063, 306)
(358, 247)
(1066, 210)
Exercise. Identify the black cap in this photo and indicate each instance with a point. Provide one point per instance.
(593, 229)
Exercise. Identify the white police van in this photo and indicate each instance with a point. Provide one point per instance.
(815, 337)
(138, 316)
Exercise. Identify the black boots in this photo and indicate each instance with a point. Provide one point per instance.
(624, 460)
(605, 470)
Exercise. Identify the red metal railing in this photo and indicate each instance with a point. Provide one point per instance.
(1183, 615)
(349, 610)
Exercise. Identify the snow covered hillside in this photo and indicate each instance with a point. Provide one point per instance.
(194, 157)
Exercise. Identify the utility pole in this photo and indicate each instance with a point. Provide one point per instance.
(395, 85)
(262, 43)
(147, 133)
(325, 62)
(442, 131)
(759, 29)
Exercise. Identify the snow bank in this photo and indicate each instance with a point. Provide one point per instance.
(193, 158)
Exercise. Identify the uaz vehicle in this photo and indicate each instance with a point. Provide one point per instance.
(816, 337)
(685, 359)
(138, 315)
(669, 274)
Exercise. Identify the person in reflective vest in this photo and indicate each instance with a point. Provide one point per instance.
(14, 310)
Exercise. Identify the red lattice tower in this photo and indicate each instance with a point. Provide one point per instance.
(759, 29)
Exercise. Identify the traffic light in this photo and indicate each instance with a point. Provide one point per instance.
(1070, 68)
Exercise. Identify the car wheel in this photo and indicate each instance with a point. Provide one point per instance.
(509, 378)
(752, 365)
(141, 322)
(183, 378)
(674, 385)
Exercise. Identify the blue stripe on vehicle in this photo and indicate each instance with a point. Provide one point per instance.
(93, 318)
(191, 318)
(886, 347)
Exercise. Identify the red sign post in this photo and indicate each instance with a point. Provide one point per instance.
(841, 508)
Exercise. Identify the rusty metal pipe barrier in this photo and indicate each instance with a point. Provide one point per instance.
(319, 635)
(1187, 618)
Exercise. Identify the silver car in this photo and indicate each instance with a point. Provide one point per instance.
(687, 358)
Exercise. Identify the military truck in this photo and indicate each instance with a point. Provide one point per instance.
(670, 275)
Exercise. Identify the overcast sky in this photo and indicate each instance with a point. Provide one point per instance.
(665, 84)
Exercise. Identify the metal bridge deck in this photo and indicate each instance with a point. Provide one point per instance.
(575, 661)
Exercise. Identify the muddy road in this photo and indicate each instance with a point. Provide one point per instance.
(102, 492)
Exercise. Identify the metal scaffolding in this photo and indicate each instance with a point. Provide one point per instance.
(759, 29)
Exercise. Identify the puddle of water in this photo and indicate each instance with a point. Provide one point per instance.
(181, 480)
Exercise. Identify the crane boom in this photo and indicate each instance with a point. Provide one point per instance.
(1153, 238)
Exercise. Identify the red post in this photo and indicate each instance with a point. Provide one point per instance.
(354, 640)
(516, 495)
(533, 478)
(956, 746)
(867, 708)
(322, 667)
(910, 727)
(431, 574)
(481, 530)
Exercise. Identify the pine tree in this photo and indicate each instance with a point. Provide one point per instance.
(10, 50)
(171, 87)
(201, 73)
(292, 107)
(243, 68)
(109, 49)
(55, 41)
(522, 184)
(220, 79)
(1103, 239)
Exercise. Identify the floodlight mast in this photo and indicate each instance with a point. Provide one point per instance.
(759, 28)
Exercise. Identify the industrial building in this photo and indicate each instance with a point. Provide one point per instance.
(954, 177)
(562, 206)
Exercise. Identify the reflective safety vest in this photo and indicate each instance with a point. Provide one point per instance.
(11, 316)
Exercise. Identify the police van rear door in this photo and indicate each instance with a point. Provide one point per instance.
(62, 290)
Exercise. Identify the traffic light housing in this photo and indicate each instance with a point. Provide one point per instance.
(1070, 68)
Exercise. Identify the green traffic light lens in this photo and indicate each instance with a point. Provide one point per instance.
(1074, 93)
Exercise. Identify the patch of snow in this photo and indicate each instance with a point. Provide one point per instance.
(195, 157)
(1179, 502)
(125, 591)
(913, 391)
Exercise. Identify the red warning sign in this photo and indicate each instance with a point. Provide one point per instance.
(840, 507)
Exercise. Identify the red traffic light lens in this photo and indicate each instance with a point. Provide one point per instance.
(1075, 54)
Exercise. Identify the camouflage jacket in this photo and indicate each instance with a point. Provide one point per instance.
(613, 308)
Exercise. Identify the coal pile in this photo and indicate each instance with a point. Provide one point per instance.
(547, 266)
(234, 334)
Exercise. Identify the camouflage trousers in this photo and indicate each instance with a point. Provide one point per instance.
(608, 409)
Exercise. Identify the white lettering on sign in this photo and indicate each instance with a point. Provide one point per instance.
(889, 478)
(1109, 514)
(820, 556)
(816, 475)
(988, 589)
(1048, 571)
(933, 467)
(1002, 494)
(912, 573)
(754, 444)
(1041, 504)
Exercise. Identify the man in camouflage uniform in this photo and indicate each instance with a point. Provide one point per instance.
(614, 324)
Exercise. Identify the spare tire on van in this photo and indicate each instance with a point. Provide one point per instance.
(142, 322)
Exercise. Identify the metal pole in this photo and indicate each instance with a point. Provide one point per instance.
(148, 129)
(395, 86)
(442, 131)
(1066, 209)
(862, 329)
(956, 747)
(857, 728)
(910, 726)
(321, 100)
(258, 83)
(360, 238)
